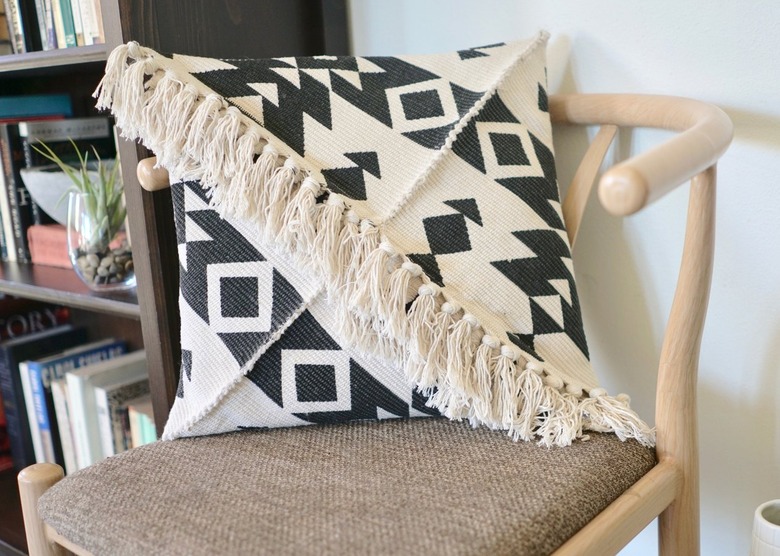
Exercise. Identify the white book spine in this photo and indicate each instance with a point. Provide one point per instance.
(88, 21)
(105, 419)
(82, 410)
(59, 392)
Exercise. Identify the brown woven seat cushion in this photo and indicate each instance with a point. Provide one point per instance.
(424, 486)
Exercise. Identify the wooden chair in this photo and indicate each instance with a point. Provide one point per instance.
(671, 488)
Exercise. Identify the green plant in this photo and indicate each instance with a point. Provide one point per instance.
(103, 201)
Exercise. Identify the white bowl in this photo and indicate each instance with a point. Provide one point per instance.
(48, 186)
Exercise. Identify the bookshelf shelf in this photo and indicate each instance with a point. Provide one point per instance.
(60, 285)
(44, 60)
(207, 28)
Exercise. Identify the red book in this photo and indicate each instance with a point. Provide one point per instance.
(49, 245)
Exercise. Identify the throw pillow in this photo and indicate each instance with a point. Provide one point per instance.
(366, 238)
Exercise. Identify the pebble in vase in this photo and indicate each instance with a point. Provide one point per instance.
(766, 530)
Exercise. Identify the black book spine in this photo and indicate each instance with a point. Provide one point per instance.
(32, 33)
(22, 450)
(24, 212)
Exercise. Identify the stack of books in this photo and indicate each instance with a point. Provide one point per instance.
(33, 25)
(68, 400)
(25, 122)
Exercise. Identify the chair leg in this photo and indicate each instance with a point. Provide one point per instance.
(33, 482)
(678, 525)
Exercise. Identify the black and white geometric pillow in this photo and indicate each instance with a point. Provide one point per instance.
(403, 208)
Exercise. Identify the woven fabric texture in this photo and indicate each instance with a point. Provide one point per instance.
(391, 239)
(426, 486)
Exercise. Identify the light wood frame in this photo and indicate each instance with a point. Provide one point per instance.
(670, 490)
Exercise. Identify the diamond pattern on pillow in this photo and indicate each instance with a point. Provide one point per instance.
(367, 234)
(248, 332)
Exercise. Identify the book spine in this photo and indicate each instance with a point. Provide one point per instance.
(101, 35)
(68, 24)
(14, 16)
(150, 430)
(5, 215)
(31, 409)
(49, 106)
(19, 322)
(32, 37)
(23, 211)
(90, 22)
(51, 33)
(13, 404)
(45, 415)
(136, 428)
(105, 419)
(77, 401)
(59, 394)
(110, 411)
(40, 13)
(59, 25)
(47, 247)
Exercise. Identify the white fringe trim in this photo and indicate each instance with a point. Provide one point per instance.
(464, 370)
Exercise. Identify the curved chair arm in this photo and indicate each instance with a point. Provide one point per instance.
(630, 185)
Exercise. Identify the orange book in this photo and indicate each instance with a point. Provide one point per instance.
(49, 245)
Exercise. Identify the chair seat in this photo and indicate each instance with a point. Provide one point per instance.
(424, 486)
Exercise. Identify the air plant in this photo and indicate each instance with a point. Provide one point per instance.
(103, 200)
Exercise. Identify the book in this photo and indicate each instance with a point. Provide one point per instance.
(59, 26)
(101, 35)
(41, 20)
(68, 23)
(81, 402)
(6, 461)
(22, 107)
(59, 394)
(5, 35)
(75, 6)
(43, 9)
(24, 212)
(89, 19)
(48, 245)
(112, 414)
(141, 420)
(29, 404)
(19, 316)
(41, 373)
(14, 16)
(12, 352)
(86, 133)
(7, 244)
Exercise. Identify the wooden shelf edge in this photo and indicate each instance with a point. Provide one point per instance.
(59, 285)
(49, 58)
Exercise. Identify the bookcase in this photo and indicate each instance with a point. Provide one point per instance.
(148, 316)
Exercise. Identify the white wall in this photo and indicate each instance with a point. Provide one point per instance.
(727, 53)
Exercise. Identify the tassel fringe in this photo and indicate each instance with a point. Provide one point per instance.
(389, 307)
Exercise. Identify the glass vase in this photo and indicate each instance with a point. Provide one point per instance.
(98, 245)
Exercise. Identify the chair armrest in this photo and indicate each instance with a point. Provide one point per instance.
(706, 132)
